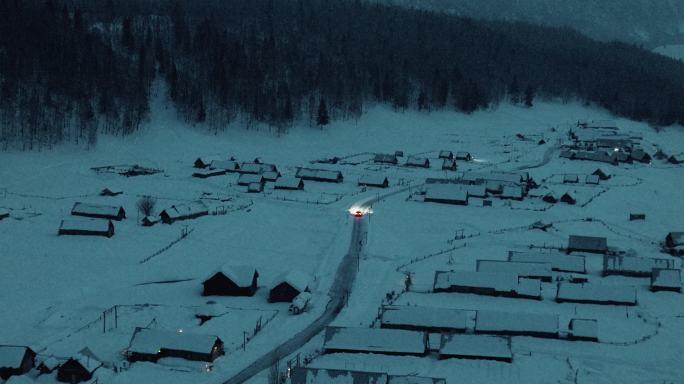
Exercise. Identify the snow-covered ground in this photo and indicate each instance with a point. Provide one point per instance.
(675, 51)
(56, 290)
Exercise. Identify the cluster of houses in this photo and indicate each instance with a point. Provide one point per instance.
(92, 220)
(603, 142)
(503, 185)
(304, 375)
(447, 158)
(239, 280)
(16, 362)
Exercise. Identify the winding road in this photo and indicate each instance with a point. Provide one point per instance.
(338, 293)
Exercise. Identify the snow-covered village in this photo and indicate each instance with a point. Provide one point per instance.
(535, 240)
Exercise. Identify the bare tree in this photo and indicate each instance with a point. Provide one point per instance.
(146, 205)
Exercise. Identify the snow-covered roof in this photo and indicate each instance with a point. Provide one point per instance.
(290, 182)
(255, 187)
(499, 177)
(271, 175)
(206, 160)
(151, 341)
(626, 265)
(249, 178)
(476, 190)
(592, 179)
(50, 363)
(375, 340)
(257, 168)
(372, 179)
(187, 209)
(498, 281)
(587, 243)
(11, 356)
(461, 155)
(95, 210)
(584, 328)
(512, 192)
(529, 288)
(446, 192)
(296, 279)
(20, 379)
(476, 346)
(589, 292)
(415, 380)
(385, 158)
(88, 362)
(448, 163)
(570, 178)
(445, 154)
(515, 322)
(88, 225)
(522, 268)
(666, 278)
(418, 161)
(228, 165)
(318, 174)
(559, 262)
(241, 275)
(302, 375)
(423, 317)
(676, 238)
(4, 212)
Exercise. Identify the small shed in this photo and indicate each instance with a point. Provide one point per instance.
(444, 154)
(97, 211)
(676, 159)
(373, 340)
(666, 279)
(479, 191)
(430, 319)
(374, 180)
(601, 174)
(322, 175)
(550, 197)
(4, 213)
(186, 211)
(77, 369)
(465, 156)
(257, 168)
(421, 162)
(568, 198)
(86, 227)
(149, 221)
(448, 165)
(583, 329)
(640, 155)
(48, 365)
(246, 179)
(590, 244)
(15, 360)
(476, 347)
(288, 285)
(289, 182)
(111, 192)
(204, 161)
(570, 179)
(516, 324)
(637, 216)
(255, 187)
(231, 280)
(149, 344)
(592, 179)
(386, 158)
(446, 194)
(674, 239)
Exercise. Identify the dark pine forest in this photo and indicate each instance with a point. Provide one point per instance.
(70, 71)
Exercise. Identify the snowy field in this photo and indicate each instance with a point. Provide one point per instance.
(675, 51)
(59, 292)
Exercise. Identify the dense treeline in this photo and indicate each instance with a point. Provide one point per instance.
(67, 73)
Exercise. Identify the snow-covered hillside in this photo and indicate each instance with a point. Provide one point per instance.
(60, 293)
(674, 51)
